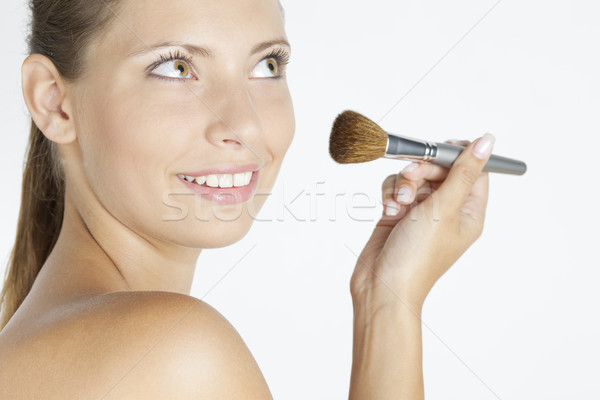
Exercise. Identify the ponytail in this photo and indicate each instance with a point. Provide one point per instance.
(62, 31)
(40, 220)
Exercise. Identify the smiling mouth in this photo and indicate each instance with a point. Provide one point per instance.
(220, 180)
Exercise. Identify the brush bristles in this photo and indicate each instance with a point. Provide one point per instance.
(356, 139)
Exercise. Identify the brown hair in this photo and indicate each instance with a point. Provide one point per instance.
(62, 31)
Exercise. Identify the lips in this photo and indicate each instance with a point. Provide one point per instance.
(223, 185)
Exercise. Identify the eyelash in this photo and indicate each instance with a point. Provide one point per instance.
(280, 55)
(176, 56)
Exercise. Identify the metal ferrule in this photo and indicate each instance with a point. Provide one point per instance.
(405, 148)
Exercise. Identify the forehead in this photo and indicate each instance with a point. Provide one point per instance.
(220, 24)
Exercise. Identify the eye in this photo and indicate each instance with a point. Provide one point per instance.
(273, 65)
(267, 68)
(177, 69)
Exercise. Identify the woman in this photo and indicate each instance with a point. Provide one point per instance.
(154, 126)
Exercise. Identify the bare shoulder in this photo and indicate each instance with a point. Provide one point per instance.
(143, 345)
(190, 349)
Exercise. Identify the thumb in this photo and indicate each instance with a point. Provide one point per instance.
(465, 171)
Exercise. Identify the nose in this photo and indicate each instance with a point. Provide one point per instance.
(234, 121)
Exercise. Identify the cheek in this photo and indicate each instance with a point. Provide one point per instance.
(133, 133)
(279, 121)
(129, 145)
(279, 126)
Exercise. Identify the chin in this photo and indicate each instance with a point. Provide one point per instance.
(208, 233)
(225, 234)
(206, 225)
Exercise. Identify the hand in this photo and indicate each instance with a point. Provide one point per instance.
(431, 216)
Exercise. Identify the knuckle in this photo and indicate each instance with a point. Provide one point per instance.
(387, 193)
(479, 229)
(474, 227)
(388, 186)
(389, 181)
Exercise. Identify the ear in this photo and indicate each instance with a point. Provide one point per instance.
(45, 94)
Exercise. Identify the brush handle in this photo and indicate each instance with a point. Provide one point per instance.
(446, 154)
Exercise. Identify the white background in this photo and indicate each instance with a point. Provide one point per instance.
(517, 316)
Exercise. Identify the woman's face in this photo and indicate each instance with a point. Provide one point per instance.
(192, 88)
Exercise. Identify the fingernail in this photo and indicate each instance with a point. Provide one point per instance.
(410, 167)
(404, 194)
(483, 147)
(391, 208)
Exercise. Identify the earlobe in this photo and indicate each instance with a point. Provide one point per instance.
(45, 93)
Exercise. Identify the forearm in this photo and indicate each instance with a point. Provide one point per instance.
(387, 351)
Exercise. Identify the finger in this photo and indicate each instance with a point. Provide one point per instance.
(414, 177)
(404, 190)
(390, 206)
(465, 172)
(424, 171)
(387, 187)
(457, 142)
(431, 172)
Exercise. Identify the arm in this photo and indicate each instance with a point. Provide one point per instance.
(406, 254)
(387, 352)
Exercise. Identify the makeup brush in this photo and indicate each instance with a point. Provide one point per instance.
(356, 139)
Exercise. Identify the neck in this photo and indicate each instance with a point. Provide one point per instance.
(96, 250)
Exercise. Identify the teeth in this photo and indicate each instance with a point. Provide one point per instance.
(239, 179)
(226, 181)
(212, 181)
(220, 180)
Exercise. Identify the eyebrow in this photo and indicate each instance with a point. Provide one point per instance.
(205, 51)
